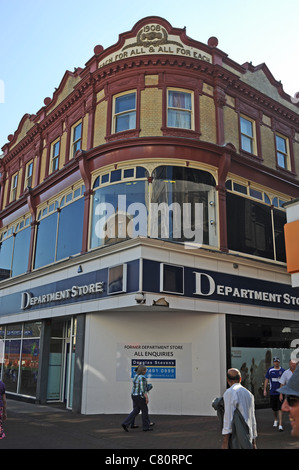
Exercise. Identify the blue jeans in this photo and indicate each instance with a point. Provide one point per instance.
(139, 404)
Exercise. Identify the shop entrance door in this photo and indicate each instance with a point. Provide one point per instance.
(61, 362)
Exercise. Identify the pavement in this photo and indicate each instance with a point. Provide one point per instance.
(34, 426)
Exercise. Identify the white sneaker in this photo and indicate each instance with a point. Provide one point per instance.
(280, 428)
(275, 424)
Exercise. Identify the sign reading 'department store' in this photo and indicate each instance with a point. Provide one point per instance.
(29, 300)
(154, 39)
(95, 285)
(217, 286)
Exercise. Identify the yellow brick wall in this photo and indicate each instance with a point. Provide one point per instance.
(151, 80)
(151, 112)
(62, 151)
(268, 147)
(207, 119)
(43, 165)
(296, 156)
(100, 124)
(231, 127)
(19, 188)
(5, 193)
(85, 132)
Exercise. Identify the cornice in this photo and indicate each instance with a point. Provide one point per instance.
(258, 99)
(155, 61)
(172, 141)
(196, 145)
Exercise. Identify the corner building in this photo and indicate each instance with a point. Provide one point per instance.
(142, 220)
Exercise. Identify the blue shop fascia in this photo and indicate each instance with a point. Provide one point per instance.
(156, 278)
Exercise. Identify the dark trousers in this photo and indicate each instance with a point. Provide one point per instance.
(139, 404)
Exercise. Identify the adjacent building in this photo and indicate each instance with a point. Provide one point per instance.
(142, 214)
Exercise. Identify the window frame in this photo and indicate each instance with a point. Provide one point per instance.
(211, 232)
(115, 115)
(286, 155)
(260, 196)
(79, 140)
(28, 174)
(14, 187)
(252, 138)
(54, 158)
(11, 232)
(53, 208)
(185, 110)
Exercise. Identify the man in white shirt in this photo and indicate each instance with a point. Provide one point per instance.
(238, 397)
(287, 375)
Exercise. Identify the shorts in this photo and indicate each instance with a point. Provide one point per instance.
(275, 402)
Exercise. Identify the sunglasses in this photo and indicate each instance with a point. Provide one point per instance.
(292, 400)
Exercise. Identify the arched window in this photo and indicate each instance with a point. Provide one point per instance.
(176, 203)
(191, 193)
(119, 204)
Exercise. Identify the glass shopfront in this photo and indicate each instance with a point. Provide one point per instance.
(19, 357)
(252, 344)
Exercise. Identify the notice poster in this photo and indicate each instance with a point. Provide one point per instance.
(163, 361)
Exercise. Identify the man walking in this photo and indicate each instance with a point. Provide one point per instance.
(239, 414)
(272, 377)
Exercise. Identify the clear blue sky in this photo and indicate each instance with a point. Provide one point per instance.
(40, 40)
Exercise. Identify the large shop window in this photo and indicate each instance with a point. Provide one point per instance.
(59, 233)
(14, 249)
(19, 357)
(126, 205)
(119, 203)
(183, 188)
(254, 227)
(252, 345)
